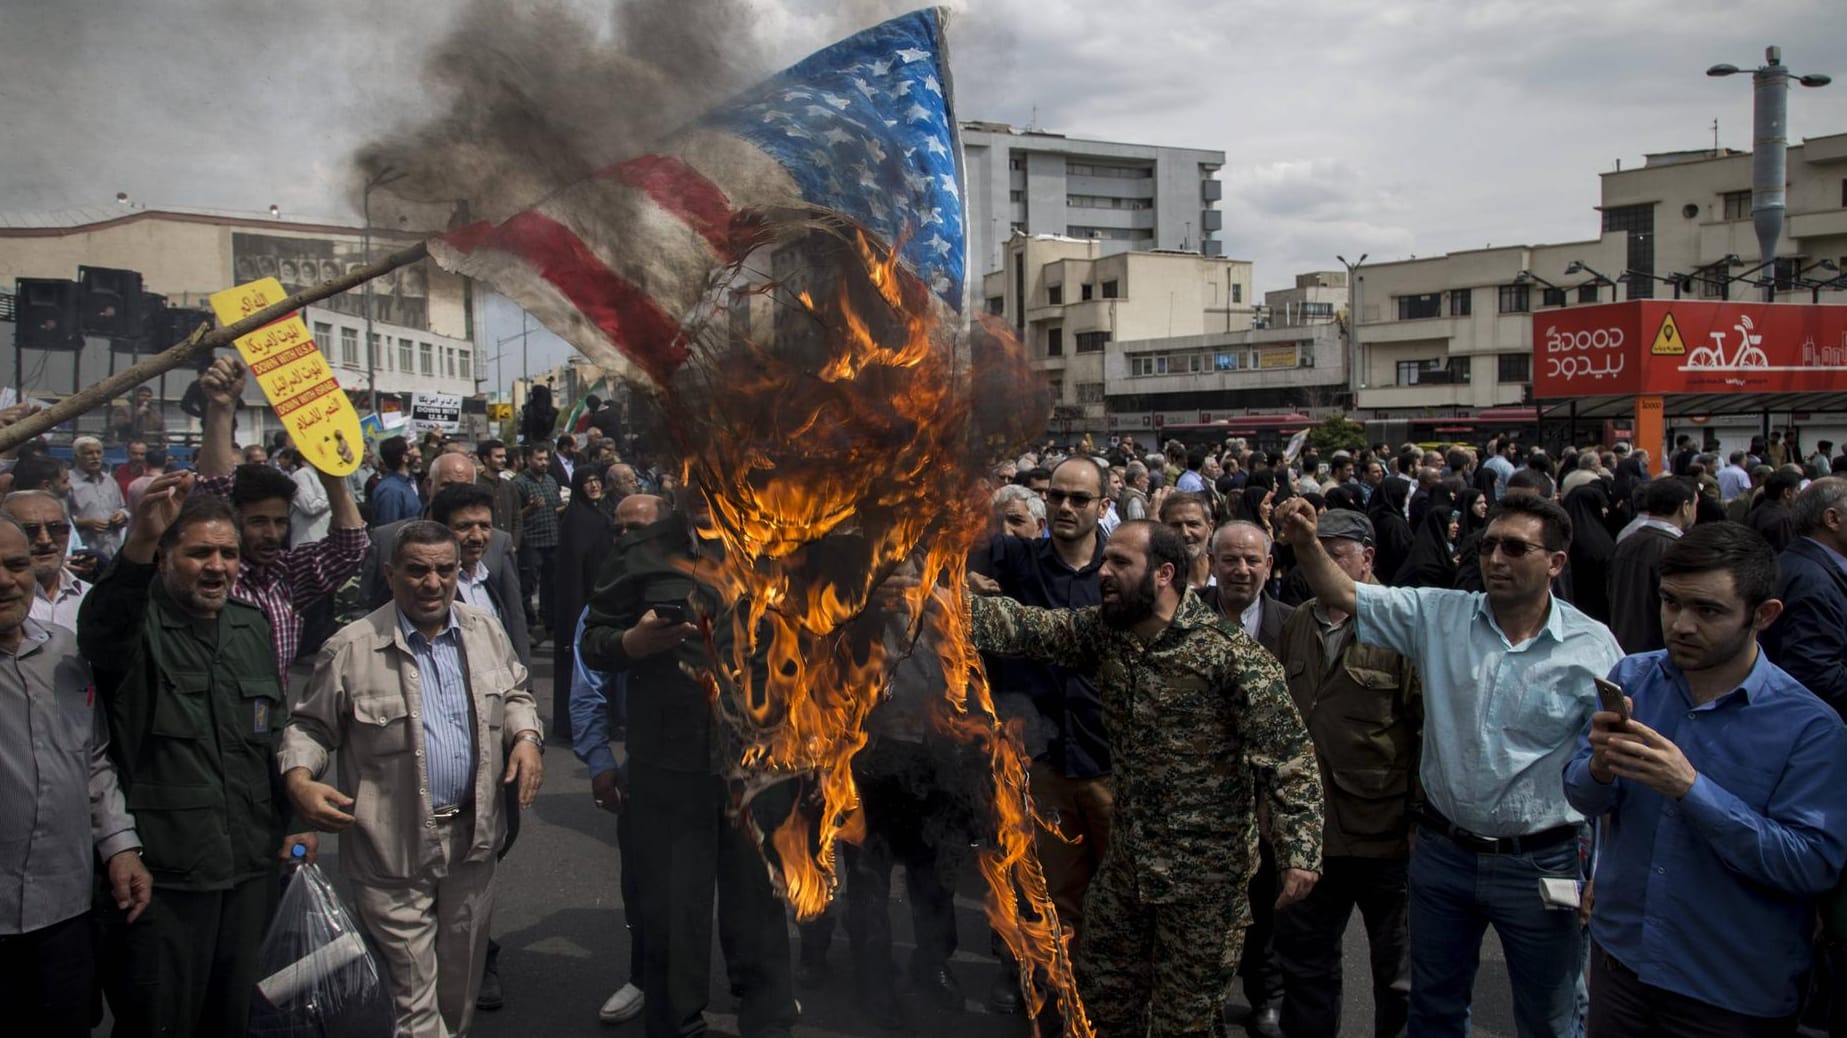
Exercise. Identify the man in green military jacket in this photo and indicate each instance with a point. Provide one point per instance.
(188, 680)
(1200, 725)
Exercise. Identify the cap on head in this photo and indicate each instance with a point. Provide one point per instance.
(1344, 525)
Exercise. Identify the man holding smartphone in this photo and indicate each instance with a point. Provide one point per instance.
(1725, 790)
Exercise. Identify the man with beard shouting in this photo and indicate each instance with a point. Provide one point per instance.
(1199, 721)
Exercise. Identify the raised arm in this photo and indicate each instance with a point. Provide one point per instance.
(1295, 521)
(223, 386)
(1069, 637)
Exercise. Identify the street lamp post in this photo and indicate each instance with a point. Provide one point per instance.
(1580, 267)
(379, 179)
(1769, 149)
(1354, 383)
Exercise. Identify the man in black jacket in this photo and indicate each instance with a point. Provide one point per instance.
(1667, 506)
(685, 847)
(1771, 515)
(1806, 640)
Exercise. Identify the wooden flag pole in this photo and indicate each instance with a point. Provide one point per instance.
(198, 342)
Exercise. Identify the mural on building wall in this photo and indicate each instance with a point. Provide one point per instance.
(401, 297)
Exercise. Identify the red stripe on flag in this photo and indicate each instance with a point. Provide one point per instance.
(686, 193)
(629, 316)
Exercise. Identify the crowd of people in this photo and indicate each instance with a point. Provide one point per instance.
(1259, 691)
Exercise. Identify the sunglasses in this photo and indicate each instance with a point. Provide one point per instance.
(58, 531)
(1511, 548)
(1078, 500)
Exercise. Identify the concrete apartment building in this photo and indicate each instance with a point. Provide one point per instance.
(1128, 196)
(1139, 341)
(1452, 335)
(423, 318)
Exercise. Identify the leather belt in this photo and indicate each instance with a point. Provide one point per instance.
(1428, 817)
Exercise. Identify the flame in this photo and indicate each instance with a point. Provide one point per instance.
(834, 454)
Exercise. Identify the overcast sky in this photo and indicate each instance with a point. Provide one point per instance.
(1389, 127)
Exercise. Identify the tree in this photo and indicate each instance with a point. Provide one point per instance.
(1336, 433)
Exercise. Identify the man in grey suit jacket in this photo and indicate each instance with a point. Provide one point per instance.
(450, 470)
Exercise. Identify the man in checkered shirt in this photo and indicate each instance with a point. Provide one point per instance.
(281, 582)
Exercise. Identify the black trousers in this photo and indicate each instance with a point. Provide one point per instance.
(1263, 979)
(1621, 1006)
(684, 849)
(631, 894)
(46, 976)
(909, 823)
(188, 966)
(1308, 947)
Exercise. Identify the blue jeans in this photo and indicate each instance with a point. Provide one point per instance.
(1455, 895)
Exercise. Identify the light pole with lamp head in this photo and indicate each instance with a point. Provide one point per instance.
(1769, 149)
(1580, 267)
(1354, 382)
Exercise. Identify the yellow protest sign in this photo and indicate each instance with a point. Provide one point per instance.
(295, 377)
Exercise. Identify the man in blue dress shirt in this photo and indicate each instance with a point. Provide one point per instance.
(1508, 686)
(1725, 793)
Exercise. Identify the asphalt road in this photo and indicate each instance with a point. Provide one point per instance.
(558, 917)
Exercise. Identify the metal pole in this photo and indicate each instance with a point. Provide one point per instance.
(1769, 159)
(366, 295)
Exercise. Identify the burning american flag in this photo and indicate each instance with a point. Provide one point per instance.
(838, 442)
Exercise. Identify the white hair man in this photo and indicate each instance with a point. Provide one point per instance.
(99, 512)
(1019, 512)
(47, 525)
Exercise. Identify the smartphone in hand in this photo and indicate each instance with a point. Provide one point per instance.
(672, 612)
(1610, 696)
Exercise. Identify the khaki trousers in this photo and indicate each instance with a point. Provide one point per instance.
(1082, 807)
(433, 935)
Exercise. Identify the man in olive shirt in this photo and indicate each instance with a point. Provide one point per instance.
(1364, 712)
(188, 680)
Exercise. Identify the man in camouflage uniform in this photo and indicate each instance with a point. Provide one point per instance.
(1200, 722)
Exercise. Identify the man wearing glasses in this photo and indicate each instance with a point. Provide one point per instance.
(1070, 772)
(1508, 684)
(48, 534)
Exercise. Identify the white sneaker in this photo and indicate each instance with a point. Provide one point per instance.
(625, 1004)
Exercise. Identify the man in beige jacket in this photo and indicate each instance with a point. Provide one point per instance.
(428, 705)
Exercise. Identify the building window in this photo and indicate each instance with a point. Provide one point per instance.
(1588, 293)
(323, 338)
(1055, 295)
(1112, 289)
(426, 359)
(1461, 302)
(464, 365)
(1016, 196)
(1516, 299)
(997, 305)
(372, 355)
(1552, 297)
(1737, 205)
(349, 347)
(1514, 367)
(1054, 342)
(1639, 221)
(1085, 290)
(1433, 372)
(1016, 163)
(1844, 193)
(1237, 291)
(406, 359)
(449, 361)
(1090, 392)
(1227, 361)
(1411, 308)
(1787, 269)
(1058, 388)
(1091, 342)
(1711, 281)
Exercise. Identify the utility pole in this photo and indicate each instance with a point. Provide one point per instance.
(1769, 150)
(1354, 381)
(379, 179)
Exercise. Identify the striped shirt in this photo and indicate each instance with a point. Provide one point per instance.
(297, 579)
(448, 727)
